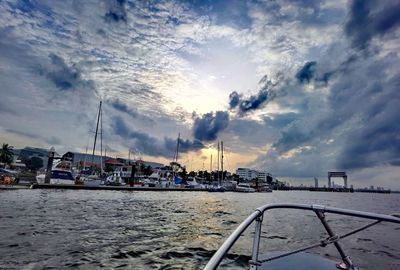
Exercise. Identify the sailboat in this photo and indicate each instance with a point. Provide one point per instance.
(219, 187)
(94, 179)
(177, 180)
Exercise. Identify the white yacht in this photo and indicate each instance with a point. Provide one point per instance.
(244, 187)
(61, 173)
(115, 179)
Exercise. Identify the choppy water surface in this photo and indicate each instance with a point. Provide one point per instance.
(53, 229)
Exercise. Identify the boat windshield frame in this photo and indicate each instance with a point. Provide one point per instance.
(320, 210)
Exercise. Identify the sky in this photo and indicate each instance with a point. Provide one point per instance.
(294, 87)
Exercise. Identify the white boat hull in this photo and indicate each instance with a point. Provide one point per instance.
(56, 181)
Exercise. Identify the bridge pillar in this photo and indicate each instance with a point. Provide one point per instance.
(329, 182)
(345, 181)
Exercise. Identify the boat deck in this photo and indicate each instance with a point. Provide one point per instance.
(299, 261)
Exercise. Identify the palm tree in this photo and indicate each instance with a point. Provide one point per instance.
(6, 153)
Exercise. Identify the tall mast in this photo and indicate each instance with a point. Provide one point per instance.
(84, 160)
(101, 141)
(177, 148)
(95, 136)
(222, 160)
(218, 164)
(211, 168)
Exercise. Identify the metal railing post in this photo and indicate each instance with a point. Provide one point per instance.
(256, 243)
(347, 263)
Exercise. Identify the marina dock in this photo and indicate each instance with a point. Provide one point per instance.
(121, 188)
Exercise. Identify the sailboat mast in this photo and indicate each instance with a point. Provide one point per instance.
(222, 160)
(101, 142)
(218, 164)
(211, 167)
(84, 160)
(95, 136)
(177, 148)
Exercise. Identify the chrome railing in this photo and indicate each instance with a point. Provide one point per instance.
(320, 211)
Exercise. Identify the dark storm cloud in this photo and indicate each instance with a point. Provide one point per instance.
(52, 140)
(281, 120)
(7, 108)
(63, 76)
(23, 133)
(207, 127)
(369, 18)
(253, 102)
(150, 145)
(306, 73)
(306, 12)
(293, 136)
(377, 142)
(184, 145)
(133, 112)
(234, 99)
(118, 105)
(363, 108)
(116, 11)
(268, 91)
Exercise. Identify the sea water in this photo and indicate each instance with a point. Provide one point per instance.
(87, 229)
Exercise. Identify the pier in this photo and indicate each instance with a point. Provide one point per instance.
(121, 188)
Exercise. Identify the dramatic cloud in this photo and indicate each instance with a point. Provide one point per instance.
(184, 145)
(268, 91)
(163, 67)
(115, 11)
(359, 118)
(63, 76)
(368, 18)
(375, 141)
(306, 73)
(122, 107)
(150, 145)
(234, 99)
(207, 127)
(253, 102)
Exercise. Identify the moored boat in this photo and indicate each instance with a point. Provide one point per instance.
(216, 189)
(243, 187)
(62, 174)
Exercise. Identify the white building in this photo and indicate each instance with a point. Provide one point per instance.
(315, 182)
(262, 175)
(249, 174)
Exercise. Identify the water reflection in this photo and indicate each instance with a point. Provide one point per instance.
(174, 230)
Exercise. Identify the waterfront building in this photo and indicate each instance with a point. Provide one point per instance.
(29, 152)
(153, 165)
(248, 174)
(315, 182)
(262, 175)
(88, 159)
